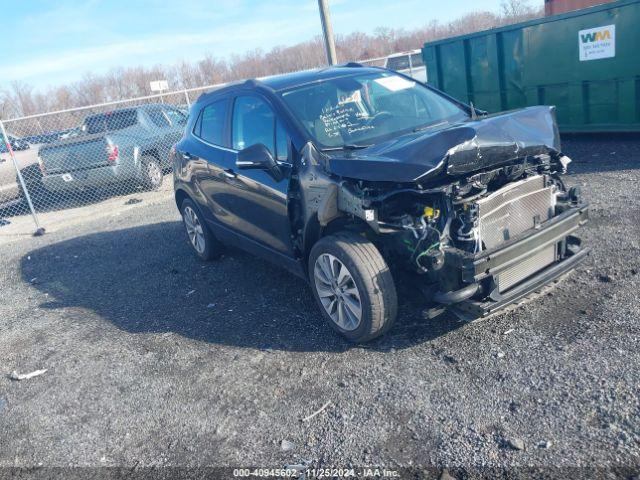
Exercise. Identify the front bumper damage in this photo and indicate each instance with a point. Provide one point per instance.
(477, 210)
(481, 273)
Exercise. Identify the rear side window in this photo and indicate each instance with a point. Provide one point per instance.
(398, 63)
(210, 124)
(107, 122)
(416, 60)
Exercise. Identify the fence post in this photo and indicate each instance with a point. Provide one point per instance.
(186, 95)
(39, 230)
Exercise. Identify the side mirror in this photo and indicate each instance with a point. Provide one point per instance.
(258, 157)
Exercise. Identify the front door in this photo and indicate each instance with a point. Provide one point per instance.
(256, 202)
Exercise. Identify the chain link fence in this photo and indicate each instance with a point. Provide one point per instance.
(64, 160)
(63, 164)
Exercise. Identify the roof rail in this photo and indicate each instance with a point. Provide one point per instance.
(343, 65)
(257, 82)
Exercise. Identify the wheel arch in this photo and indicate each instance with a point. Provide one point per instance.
(151, 152)
(180, 196)
(370, 275)
(314, 231)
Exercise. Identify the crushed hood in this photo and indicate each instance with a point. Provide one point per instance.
(459, 149)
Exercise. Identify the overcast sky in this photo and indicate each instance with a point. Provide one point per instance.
(50, 42)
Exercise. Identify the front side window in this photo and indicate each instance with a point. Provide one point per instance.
(282, 142)
(253, 122)
(210, 125)
(368, 108)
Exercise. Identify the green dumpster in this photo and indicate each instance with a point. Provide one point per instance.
(586, 63)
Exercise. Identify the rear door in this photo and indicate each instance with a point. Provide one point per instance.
(208, 158)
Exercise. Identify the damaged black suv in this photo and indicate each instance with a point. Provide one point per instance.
(338, 174)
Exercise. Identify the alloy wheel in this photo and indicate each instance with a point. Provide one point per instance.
(338, 292)
(154, 173)
(194, 229)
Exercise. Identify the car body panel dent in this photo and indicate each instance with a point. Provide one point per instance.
(464, 148)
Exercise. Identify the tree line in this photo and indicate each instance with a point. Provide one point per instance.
(21, 99)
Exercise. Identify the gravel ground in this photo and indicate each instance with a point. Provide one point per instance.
(156, 359)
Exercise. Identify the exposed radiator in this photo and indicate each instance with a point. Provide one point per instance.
(514, 209)
(515, 274)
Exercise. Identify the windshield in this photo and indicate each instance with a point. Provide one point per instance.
(364, 109)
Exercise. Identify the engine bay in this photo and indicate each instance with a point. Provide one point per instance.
(429, 229)
(454, 230)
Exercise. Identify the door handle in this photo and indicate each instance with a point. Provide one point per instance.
(188, 156)
(229, 173)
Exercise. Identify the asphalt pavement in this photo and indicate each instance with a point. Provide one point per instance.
(153, 358)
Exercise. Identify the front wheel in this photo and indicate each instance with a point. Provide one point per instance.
(353, 286)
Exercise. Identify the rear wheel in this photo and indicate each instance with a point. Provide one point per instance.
(353, 286)
(151, 172)
(32, 177)
(204, 244)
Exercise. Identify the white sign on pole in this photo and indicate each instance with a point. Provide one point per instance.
(596, 43)
(159, 85)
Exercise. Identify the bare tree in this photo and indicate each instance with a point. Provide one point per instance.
(517, 9)
(121, 83)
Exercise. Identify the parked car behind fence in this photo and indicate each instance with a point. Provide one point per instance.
(46, 137)
(16, 143)
(126, 145)
(408, 63)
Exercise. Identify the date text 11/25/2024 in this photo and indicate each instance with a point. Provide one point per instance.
(300, 471)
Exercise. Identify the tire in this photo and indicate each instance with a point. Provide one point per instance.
(369, 275)
(203, 243)
(152, 175)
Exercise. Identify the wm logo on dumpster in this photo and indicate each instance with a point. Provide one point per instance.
(596, 36)
(596, 43)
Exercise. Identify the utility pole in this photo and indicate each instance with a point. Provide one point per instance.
(327, 29)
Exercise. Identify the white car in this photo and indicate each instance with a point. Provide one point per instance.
(408, 63)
